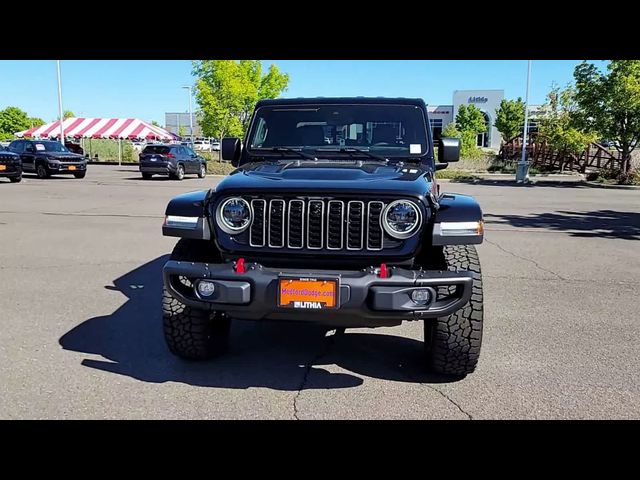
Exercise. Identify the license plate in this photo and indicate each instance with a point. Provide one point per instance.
(72, 167)
(153, 159)
(3, 167)
(308, 293)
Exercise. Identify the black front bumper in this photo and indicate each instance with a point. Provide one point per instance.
(365, 298)
(58, 168)
(162, 168)
(10, 170)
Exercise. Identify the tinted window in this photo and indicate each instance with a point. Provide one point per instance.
(16, 146)
(391, 130)
(156, 149)
(189, 151)
(48, 147)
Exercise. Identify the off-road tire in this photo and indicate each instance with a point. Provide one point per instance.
(147, 176)
(80, 174)
(203, 171)
(192, 333)
(453, 343)
(17, 179)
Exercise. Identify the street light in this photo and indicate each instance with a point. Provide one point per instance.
(60, 104)
(188, 87)
(522, 174)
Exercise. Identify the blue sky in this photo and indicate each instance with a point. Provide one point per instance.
(147, 89)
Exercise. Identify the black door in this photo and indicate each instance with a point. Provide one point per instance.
(194, 161)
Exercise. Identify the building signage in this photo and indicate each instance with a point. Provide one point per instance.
(478, 100)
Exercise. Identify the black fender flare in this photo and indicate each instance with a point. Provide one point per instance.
(458, 221)
(186, 216)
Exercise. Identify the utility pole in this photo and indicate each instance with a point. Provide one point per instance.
(188, 87)
(60, 104)
(522, 174)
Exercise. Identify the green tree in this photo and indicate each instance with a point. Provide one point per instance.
(154, 123)
(468, 147)
(510, 118)
(68, 114)
(610, 103)
(36, 122)
(227, 91)
(560, 122)
(182, 131)
(12, 120)
(470, 119)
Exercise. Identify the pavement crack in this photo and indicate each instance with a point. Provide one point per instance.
(451, 400)
(328, 343)
(496, 244)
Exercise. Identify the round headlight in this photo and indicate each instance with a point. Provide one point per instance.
(234, 215)
(401, 219)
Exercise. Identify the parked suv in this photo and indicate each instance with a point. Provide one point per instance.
(334, 216)
(174, 160)
(10, 165)
(48, 157)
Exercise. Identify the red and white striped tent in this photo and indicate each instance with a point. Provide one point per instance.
(114, 128)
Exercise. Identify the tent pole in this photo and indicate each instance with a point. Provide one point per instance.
(119, 152)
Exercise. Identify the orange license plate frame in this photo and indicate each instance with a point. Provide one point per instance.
(3, 167)
(72, 167)
(309, 293)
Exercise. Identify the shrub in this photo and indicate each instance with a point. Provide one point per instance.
(219, 168)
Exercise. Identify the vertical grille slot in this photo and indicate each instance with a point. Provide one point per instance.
(335, 222)
(374, 230)
(315, 224)
(355, 229)
(276, 223)
(257, 232)
(296, 224)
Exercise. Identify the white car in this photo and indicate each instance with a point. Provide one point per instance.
(202, 145)
(215, 146)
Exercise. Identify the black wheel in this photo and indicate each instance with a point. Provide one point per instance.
(42, 171)
(17, 179)
(192, 333)
(147, 176)
(179, 175)
(453, 343)
(203, 171)
(80, 174)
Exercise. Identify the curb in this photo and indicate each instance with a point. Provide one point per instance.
(123, 164)
(615, 187)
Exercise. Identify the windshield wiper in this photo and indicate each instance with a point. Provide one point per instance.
(296, 151)
(351, 150)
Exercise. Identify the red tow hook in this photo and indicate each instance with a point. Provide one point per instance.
(240, 266)
(384, 273)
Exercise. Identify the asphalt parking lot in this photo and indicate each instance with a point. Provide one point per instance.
(81, 336)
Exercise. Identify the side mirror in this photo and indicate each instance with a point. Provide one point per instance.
(230, 150)
(441, 166)
(449, 150)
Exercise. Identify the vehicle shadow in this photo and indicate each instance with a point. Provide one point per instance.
(262, 354)
(598, 223)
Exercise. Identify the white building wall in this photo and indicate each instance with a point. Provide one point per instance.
(487, 101)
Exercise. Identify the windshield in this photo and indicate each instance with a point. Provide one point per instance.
(157, 149)
(50, 147)
(389, 130)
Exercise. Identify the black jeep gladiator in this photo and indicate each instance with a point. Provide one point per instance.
(333, 216)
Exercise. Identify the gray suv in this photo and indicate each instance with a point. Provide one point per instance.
(172, 160)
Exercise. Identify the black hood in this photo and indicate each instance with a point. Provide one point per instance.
(334, 176)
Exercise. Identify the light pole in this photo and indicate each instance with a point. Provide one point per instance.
(188, 87)
(60, 104)
(522, 174)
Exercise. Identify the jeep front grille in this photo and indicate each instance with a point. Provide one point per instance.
(317, 224)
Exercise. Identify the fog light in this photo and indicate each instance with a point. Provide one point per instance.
(206, 288)
(420, 297)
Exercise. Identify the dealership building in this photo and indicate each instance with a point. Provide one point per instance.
(487, 102)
